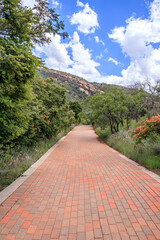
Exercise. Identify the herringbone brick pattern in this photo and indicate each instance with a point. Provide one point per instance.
(83, 190)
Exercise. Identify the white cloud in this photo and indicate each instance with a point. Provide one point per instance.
(87, 19)
(57, 57)
(113, 79)
(136, 41)
(102, 42)
(113, 60)
(100, 56)
(28, 3)
(98, 40)
(83, 64)
(80, 4)
(154, 11)
(144, 69)
(55, 3)
(56, 54)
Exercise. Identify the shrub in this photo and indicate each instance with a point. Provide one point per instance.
(149, 128)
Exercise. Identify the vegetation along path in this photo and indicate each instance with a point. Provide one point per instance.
(84, 190)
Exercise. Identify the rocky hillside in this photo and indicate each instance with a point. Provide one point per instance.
(77, 88)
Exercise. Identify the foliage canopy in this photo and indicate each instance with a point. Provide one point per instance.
(20, 29)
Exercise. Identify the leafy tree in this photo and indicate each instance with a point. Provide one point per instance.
(139, 107)
(49, 112)
(45, 21)
(93, 106)
(20, 29)
(17, 67)
(109, 109)
(76, 108)
(26, 25)
(118, 106)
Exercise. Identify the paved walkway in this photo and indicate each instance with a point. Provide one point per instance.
(84, 190)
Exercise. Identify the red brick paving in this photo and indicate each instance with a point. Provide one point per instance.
(83, 190)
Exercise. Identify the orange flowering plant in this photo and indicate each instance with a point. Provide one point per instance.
(147, 128)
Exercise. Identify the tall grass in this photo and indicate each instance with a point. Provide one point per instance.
(146, 154)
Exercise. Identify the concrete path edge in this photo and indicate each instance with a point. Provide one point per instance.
(150, 173)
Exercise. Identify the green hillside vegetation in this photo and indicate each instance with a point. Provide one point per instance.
(77, 89)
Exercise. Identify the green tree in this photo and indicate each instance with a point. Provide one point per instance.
(49, 112)
(76, 108)
(108, 109)
(138, 106)
(17, 67)
(20, 29)
(26, 25)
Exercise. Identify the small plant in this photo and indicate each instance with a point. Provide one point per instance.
(103, 134)
(149, 128)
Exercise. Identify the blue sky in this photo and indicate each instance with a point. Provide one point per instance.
(115, 41)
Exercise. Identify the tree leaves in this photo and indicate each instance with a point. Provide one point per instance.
(20, 29)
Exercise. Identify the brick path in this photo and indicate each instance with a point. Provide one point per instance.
(84, 190)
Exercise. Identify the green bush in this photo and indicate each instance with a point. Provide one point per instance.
(147, 154)
(48, 114)
(103, 134)
(149, 128)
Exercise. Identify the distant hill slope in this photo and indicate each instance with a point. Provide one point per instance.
(77, 88)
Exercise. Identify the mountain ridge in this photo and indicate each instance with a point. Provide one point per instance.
(77, 88)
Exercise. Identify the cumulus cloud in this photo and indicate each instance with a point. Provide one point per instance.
(98, 40)
(113, 60)
(136, 41)
(56, 55)
(86, 19)
(144, 69)
(83, 64)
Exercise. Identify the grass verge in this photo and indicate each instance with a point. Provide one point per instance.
(146, 154)
(20, 159)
